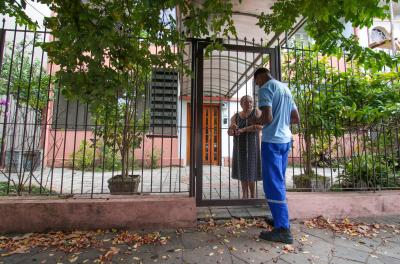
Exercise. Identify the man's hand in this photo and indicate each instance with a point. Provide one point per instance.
(265, 118)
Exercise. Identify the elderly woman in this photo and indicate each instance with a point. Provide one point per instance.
(246, 164)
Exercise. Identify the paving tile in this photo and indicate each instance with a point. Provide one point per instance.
(349, 254)
(203, 213)
(220, 213)
(239, 212)
(258, 211)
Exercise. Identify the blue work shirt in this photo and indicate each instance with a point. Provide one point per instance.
(277, 95)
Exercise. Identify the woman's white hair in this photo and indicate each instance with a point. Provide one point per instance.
(246, 97)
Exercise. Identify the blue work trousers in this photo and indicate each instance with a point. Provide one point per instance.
(274, 163)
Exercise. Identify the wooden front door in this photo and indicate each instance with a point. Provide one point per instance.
(211, 135)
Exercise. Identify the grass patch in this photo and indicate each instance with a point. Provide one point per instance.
(35, 190)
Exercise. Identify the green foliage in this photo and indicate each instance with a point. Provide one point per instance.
(154, 158)
(333, 102)
(109, 68)
(23, 189)
(369, 170)
(95, 63)
(28, 82)
(324, 23)
(16, 9)
(102, 157)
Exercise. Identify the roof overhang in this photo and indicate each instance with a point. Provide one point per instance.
(225, 72)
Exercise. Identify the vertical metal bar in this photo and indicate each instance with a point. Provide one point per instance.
(94, 157)
(22, 166)
(38, 93)
(84, 145)
(153, 128)
(301, 131)
(55, 136)
(136, 82)
(2, 44)
(147, 90)
(16, 112)
(229, 122)
(64, 147)
(45, 128)
(73, 153)
(237, 118)
(199, 128)
(209, 126)
(192, 173)
(105, 149)
(6, 109)
(162, 132)
(180, 103)
(220, 130)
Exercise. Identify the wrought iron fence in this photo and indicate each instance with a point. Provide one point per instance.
(54, 146)
(348, 138)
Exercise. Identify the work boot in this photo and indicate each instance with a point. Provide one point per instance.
(282, 235)
(269, 220)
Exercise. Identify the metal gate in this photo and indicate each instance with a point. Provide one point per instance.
(221, 76)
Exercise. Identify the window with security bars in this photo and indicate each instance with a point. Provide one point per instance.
(164, 102)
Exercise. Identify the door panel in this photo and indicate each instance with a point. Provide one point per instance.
(211, 134)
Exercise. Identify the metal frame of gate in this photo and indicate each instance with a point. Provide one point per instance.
(196, 160)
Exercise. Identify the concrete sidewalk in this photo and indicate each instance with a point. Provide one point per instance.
(220, 241)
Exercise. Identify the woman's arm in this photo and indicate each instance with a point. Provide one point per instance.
(232, 130)
(252, 128)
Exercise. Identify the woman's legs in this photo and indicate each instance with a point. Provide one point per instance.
(245, 189)
(252, 185)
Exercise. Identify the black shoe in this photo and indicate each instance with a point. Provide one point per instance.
(269, 220)
(282, 235)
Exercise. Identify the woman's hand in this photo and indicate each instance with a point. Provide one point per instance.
(232, 130)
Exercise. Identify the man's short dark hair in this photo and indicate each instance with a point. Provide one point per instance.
(261, 71)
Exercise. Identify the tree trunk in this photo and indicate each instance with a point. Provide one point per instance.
(307, 159)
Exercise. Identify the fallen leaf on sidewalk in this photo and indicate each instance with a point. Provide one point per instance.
(344, 227)
(73, 259)
(20, 250)
(288, 249)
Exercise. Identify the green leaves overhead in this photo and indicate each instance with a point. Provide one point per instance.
(325, 24)
(14, 8)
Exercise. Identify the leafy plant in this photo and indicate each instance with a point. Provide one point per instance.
(103, 157)
(325, 22)
(12, 189)
(372, 171)
(333, 102)
(154, 158)
(26, 81)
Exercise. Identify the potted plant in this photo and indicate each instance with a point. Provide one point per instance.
(121, 122)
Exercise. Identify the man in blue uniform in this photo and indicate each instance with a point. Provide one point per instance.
(278, 112)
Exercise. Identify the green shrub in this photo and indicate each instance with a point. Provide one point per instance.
(12, 190)
(83, 158)
(103, 157)
(370, 171)
(154, 158)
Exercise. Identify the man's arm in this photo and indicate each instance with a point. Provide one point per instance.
(294, 117)
(266, 116)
